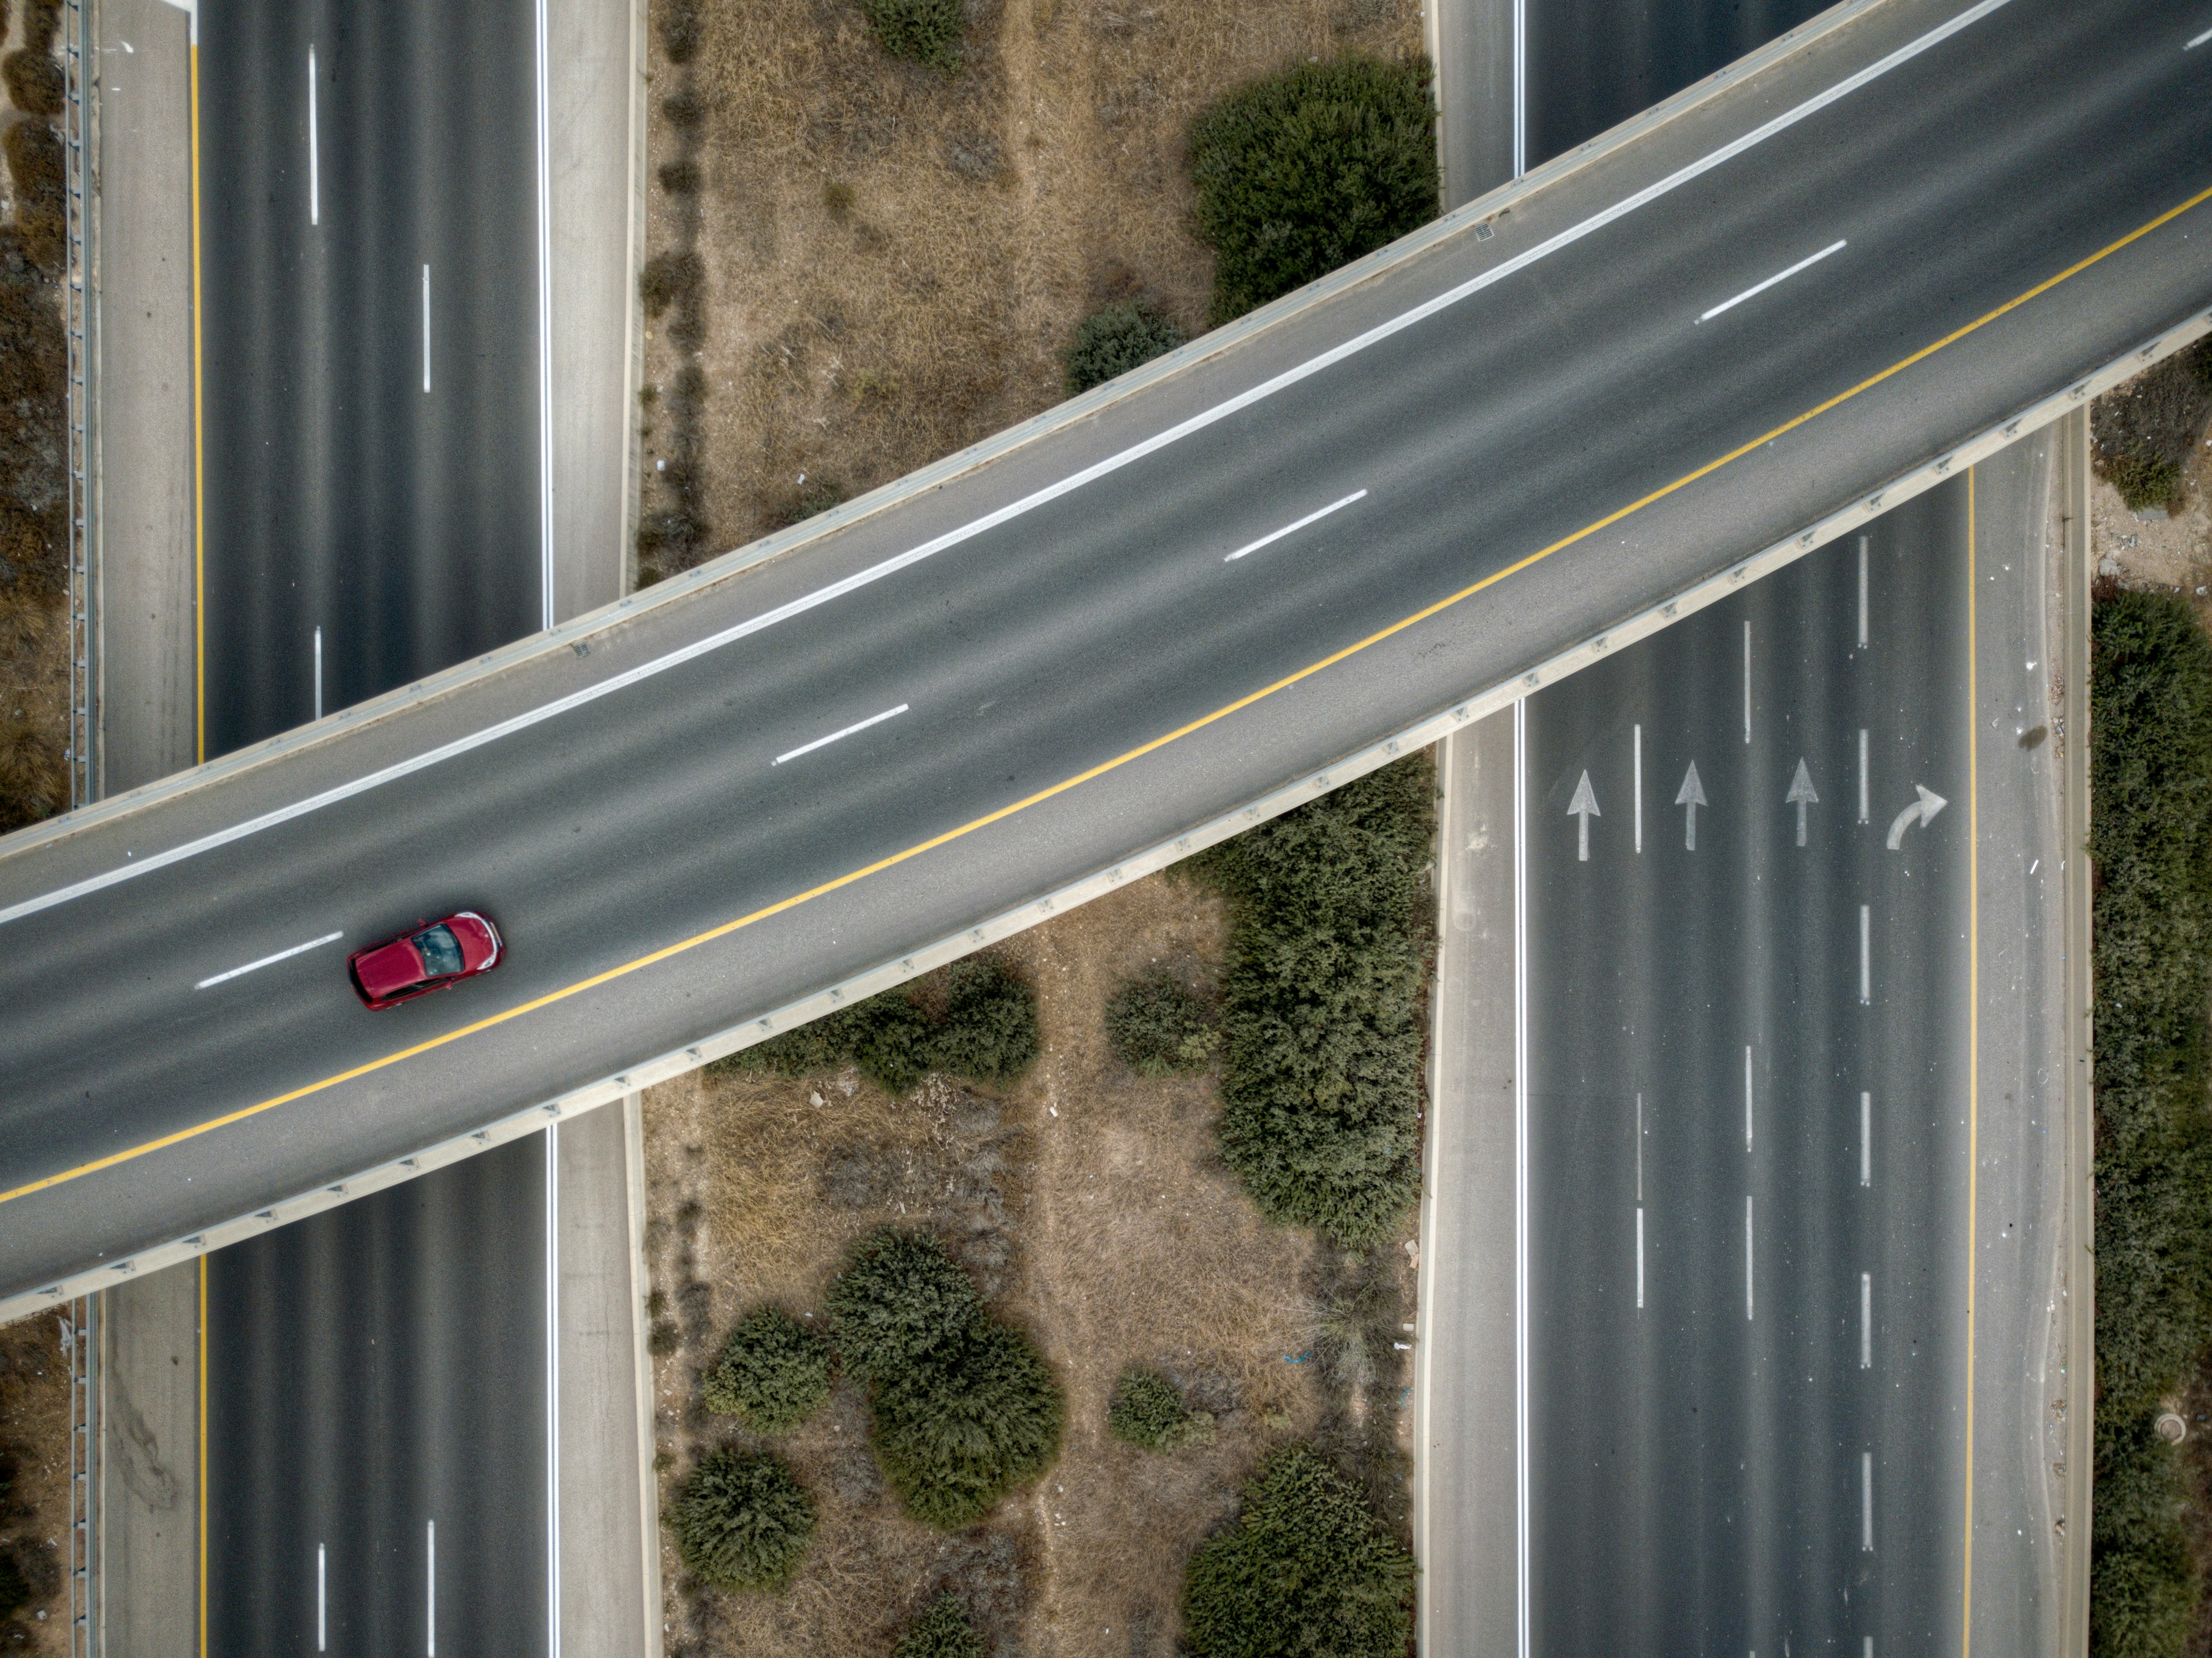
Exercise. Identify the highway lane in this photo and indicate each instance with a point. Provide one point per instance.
(1747, 1149)
(372, 444)
(1106, 617)
(357, 1399)
(369, 227)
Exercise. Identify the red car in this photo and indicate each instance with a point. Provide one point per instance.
(425, 959)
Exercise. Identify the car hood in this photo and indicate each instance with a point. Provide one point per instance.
(478, 939)
(389, 968)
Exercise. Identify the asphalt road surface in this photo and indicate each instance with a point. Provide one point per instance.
(370, 367)
(1752, 1115)
(376, 1373)
(707, 840)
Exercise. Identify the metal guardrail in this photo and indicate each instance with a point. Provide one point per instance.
(84, 774)
(80, 1346)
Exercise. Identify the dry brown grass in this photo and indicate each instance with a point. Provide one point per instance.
(34, 706)
(1092, 1207)
(895, 258)
(34, 1441)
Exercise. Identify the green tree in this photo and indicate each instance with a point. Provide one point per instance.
(990, 1028)
(774, 1373)
(1116, 338)
(742, 1523)
(1307, 170)
(942, 1631)
(899, 1296)
(926, 31)
(1159, 1027)
(1307, 1569)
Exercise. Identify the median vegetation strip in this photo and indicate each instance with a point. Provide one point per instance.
(2151, 780)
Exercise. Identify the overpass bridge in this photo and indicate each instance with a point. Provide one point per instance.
(1537, 429)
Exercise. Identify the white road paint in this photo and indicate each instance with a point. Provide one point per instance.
(1693, 795)
(553, 1390)
(1582, 809)
(1866, 1139)
(1870, 1647)
(1520, 1469)
(1746, 1257)
(544, 339)
(1639, 791)
(1862, 774)
(1292, 528)
(1866, 1501)
(322, 1601)
(1921, 811)
(430, 1609)
(2191, 46)
(426, 328)
(1866, 956)
(1639, 1257)
(1029, 503)
(1520, 97)
(824, 742)
(1862, 592)
(1746, 1099)
(1747, 680)
(1639, 1148)
(318, 673)
(1757, 289)
(1865, 1320)
(314, 149)
(1801, 796)
(1639, 1203)
(270, 961)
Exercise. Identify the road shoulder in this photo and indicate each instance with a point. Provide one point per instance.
(148, 1500)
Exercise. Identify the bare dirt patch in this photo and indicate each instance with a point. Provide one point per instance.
(2163, 550)
(34, 1450)
(892, 259)
(1091, 1206)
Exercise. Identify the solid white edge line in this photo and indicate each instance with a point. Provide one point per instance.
(431, 1590)
(1290, 529)
(553, 1388)
(314, 158)
(545, 324)
(270, 960)
(1521, 1470)
(1028, 503)
(1758, 288)
(1520, 88)
(824, 742)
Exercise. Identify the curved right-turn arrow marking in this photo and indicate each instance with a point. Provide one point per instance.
(1920, 811)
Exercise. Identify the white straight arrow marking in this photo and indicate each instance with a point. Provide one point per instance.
(1693, 795)
(1582, 809)
(1801, 796)
(1921, 810)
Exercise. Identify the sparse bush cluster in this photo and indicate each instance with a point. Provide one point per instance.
(742, 1522)
(926, 31)
(964, 1407)
(1308, 170)
(1306, 1569)
(2146, 430)
(1112, 341)
(1159, 1027)
(986, 1032)
(942, 1631)
(2151, 778)
(774, 1374)
(1147, 1411)
(1322, 1021)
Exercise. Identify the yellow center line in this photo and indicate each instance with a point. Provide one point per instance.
(778, 907)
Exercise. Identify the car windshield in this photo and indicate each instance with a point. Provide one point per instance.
(441, 951)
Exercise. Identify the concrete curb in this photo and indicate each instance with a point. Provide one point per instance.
(1460, 221)
(1031, 912)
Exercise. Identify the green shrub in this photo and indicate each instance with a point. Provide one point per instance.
(1147, 1411)
(899, 1296)
(2144, 482)
(990, 1028)
(742, 1523)
(774, 1374)
(1159, 1028)
(942, 1631)
(927, 31)
(1306, 1569)
(1112, 342)
(14, 1590)
(965, 1423)
(1321, 1016)
(1309, 169)
(2151, 777)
